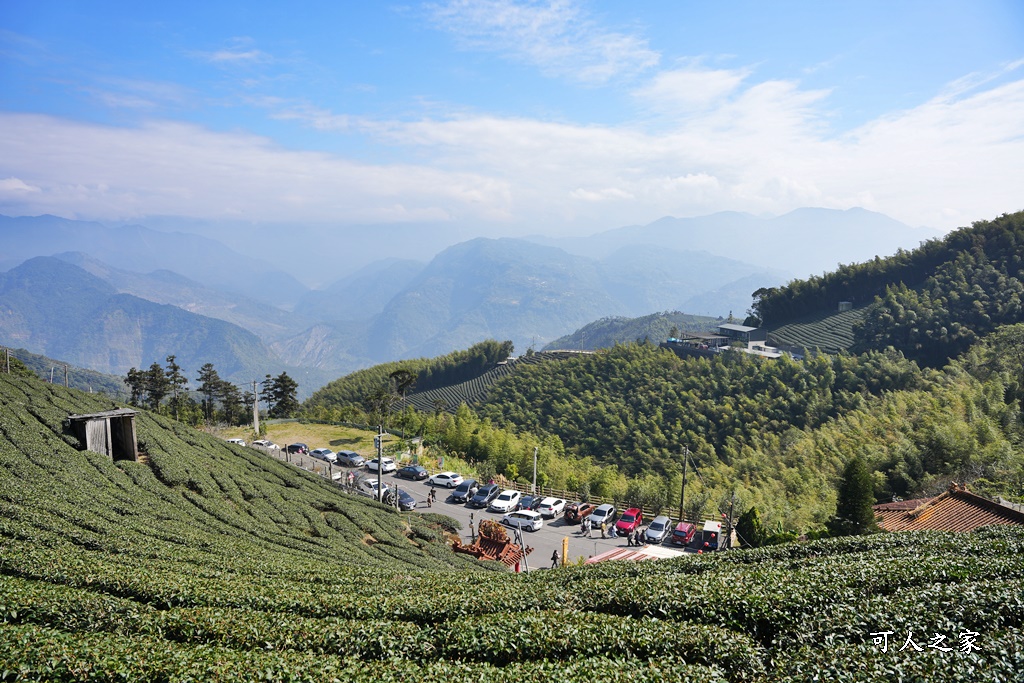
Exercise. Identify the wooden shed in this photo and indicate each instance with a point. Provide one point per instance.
(111, 433)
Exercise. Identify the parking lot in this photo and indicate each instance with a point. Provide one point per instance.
(544, 541)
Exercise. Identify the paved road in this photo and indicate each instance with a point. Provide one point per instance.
(544, 542)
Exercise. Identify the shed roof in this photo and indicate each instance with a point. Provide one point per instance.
(119, 412)
(957, 509)
(737, 328)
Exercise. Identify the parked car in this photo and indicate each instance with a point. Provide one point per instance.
(683, 533)
(325, 454)
(523, 519)
(406, 503)
(659, 529)
(602, 514)
(630, 520)
(464, 491)
(263, 443)
(446, 479)
(484, 496)
(367, 486)
(237, 442)
(550, 508)
(386, 465)
(298, 448)
(575, 512)
(529, 502)
(505, 502)
(413, 472)
(350, 459)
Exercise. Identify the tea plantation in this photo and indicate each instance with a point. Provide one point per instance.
(213, 563)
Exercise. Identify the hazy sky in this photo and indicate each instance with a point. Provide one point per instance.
(512, 117)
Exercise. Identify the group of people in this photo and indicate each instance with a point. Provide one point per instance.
(633, 538)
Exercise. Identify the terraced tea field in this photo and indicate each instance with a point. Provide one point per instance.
(831, 333)
(215, 563)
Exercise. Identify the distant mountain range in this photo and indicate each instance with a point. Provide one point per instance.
(803, 242)
(125, 296)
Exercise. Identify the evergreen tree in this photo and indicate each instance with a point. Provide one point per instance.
(749, 528)
(209, 387)
(157, 386)
(136, 386)
(232, 402)
(178, 384)
(280, 394)
(854, 513)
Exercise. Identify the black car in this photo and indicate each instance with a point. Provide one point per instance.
(298, 448)
(414, 472)
(530, 503)
(464, 491)
(484, 496)
(406, 502)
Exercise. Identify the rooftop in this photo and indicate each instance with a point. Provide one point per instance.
(957, 509)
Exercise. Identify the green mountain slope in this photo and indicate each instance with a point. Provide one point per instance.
(215, 563)
(607, 332)
(61, 310)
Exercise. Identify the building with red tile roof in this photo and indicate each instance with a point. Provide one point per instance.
(957, 509)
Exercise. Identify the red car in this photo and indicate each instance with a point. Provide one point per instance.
(630, 520)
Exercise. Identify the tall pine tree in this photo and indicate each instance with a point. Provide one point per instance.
(854, 512)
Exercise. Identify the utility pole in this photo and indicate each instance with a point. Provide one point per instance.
(727, 543)
(534, 489)
(8, 353)
(255, 409)
(379, 443)
(682, 491)
(65, 376)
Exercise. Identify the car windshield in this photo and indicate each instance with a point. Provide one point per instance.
(505, 496)
(656, 526)
(627, 518)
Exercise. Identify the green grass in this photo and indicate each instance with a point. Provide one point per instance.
(214, 563)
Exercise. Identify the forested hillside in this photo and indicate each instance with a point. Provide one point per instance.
(215, 563)
(608, 332)
(930, 303)
(366, 389)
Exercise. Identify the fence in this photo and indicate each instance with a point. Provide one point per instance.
(336, 474)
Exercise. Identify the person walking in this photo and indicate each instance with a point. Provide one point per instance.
(603, 528)
(588, 528)
(554, 560)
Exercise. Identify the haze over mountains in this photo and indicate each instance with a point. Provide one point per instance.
(110, 298)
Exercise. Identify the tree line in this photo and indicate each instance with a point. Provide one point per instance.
(997, 243)
(165, 389)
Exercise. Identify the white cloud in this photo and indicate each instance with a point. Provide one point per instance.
(557, 36)
(758, 147)
(16, 187)
(691, 88)
(87, 170)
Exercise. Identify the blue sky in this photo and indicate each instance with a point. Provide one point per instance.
(510, 117)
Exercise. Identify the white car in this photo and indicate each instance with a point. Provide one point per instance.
(386, 465)
(237, 442)
(447, 479)
(368, 488)
(263, 443)
(524, 519)
(325, 454)
(506, 501)
(551, 507)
